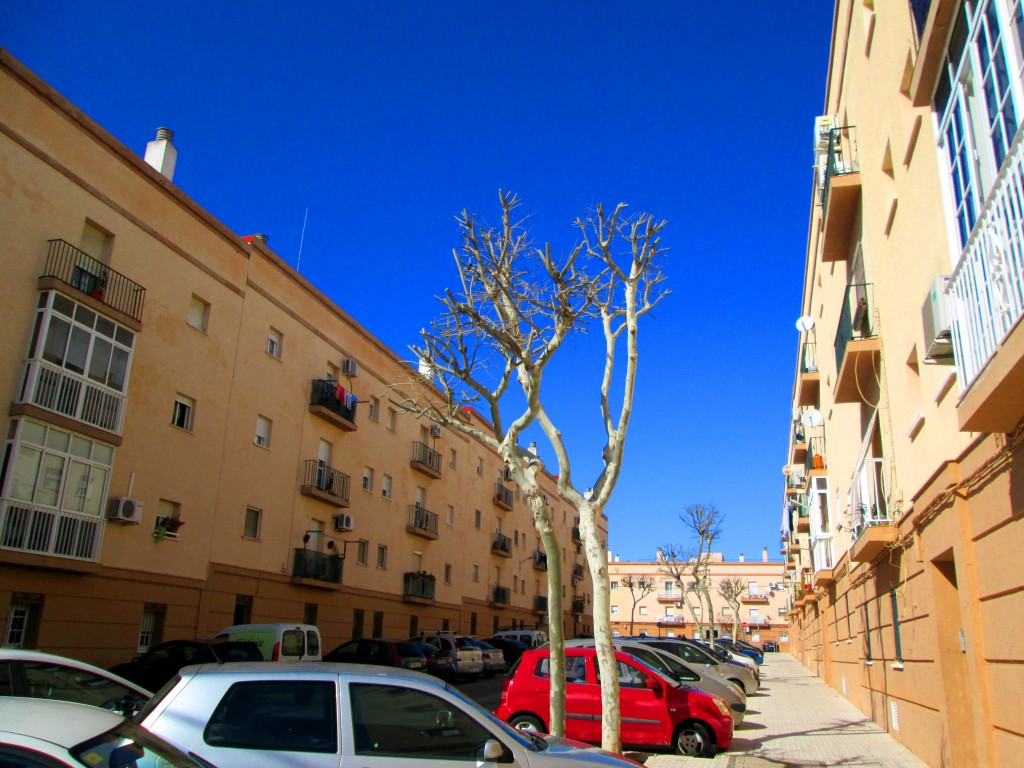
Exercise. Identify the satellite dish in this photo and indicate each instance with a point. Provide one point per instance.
(805, 323)
(787, 470)
(811, 418)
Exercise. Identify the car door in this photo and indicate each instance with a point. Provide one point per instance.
(643, 710)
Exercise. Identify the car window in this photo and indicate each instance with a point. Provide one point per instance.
(312, 643)
(276, 715)
(293, 642)
(629, 676)
(44, 680)
(6, 679)
(575, 668)
(393, 721)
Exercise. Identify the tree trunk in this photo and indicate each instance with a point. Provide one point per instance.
(556, 636)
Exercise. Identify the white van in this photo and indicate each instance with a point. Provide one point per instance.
(531, 638)
(278, 642)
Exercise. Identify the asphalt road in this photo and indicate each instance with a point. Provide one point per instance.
(486, 691)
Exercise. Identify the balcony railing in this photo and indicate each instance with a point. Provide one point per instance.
(540, 561)
(30, 528)
(331, 396)
(81, 271)
(578, 605)
(815, 458)
(841, 159)
(855, 320)
(576, 536)
(669, 595)
(422, 519)
(60, 391)
(317, 566)
(501, 595)
(503, 496)
(671, 620)
(419, 584)
(868, 503)
(425, 459)
(501, 544)
(987, 287)
(319, 476)
(577, 570)
(540, 603)
(808, 358)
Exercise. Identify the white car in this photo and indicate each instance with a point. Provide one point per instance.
(44, 676)
(323, 714)
(467, 659)
(45, 734)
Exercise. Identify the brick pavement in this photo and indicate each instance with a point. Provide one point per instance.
(796, 721)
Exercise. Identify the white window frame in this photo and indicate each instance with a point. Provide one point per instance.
(259, 523)
(198, 313)
(385, 486)
(183, 414)
(368, 479)
(382, 556)
(275, 343)
(362, 552)
(264, 425)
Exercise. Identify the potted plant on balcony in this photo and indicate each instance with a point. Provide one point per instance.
(165, 526)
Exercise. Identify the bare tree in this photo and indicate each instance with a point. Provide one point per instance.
(690, 567)
(731, 588)
(515, 306)
(639, 587)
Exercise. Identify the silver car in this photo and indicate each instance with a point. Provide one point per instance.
(320, 714)
(697, 654)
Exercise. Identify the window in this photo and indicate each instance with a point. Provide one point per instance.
(385, 486)
(198, 313)
(479, 465)
(476, 572)
(752, 588)
(613, 585)
(251, 527)
(358, 620)
(168, 517)
(472, 623)
(262, 438)
(378, 624)
(476, 518)
(447, 573)
(96, 242)
(642, 610)
(392, 419)
(368, 479)
(373, 410)
(362, 552)
(516, 537)
(452, 458)
(755, 616)
(382, 556)
(182, 415)
(274, 704)
(274, 343)
(414, 626)
(243, 609)
(151, 630)
(450, 515)
(615, 610)
(23, 621)
(309, 613)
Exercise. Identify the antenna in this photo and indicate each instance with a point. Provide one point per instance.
(302, 238)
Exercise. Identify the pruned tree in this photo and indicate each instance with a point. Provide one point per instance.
(515, 306)
(731, 588)
(639, 587)
(690, 567)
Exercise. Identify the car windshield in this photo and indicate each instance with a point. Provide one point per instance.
(130, 745)
(524, 738)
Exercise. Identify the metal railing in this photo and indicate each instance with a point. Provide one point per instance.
(669, 594)
(540, 560)
(808, 358)
(318, 566)
(503, 495)
(868, 499)
(60, 391)
(576, 535)
(821, 553)
(577, 570)
(855, 319)
(815, 453)
(427, 456)
(319, 475)
(501, 543)
(422, 518)
(501, 595)
(419, 584)
(43, 531)
(327, 393)
(986, 290)
(540, 603)
(90, 276)
(841, 159)
(578, 605)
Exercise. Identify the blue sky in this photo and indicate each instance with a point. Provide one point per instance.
(385, 119)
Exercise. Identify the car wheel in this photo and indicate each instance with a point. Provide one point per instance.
(518, 721)
(694, 740)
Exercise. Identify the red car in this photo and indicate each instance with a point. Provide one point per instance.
(656, 711)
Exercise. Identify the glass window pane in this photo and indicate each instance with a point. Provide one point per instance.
(33, 433)
(23, 478)
(48, 489)
(105, 327)
(118, 369)
(85, 316)
(95, 489)
(100, 360)
(58, 440)
(124, 336)
(80, 447)
(102, 454)
(78, 350)
(56, 341)
(63, 305)
(77, 485)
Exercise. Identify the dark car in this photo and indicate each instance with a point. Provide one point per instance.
(512, 649)
(439, 663)
(162, 662)
(385, 653)
(743, 650)
(770, 646)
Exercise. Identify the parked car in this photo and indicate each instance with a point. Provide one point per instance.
(531, 638)
(40, 732)
(770, 646)
(756, 648)
(656, 711)
(512, 649)
(696, 654)
(278, 642)
(160, 663)
(439, 662)
(494, 658)
(742, 650)
(385, 653)
(45, 676)
(466, 658)
(327, 714)
(699, 677)
(725, 654)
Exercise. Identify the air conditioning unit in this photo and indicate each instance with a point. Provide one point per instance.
(125, 510)
(349, 367)
(823, 127)
(938, 330)
(575, 581)
(435, 430)
(343, 523)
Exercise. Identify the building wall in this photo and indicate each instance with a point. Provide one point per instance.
(917, 629)
(63, 177)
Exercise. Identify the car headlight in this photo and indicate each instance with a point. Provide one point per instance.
(722, 707)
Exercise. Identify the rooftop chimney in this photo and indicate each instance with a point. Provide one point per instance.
(161, 154)
(259, 237)
(533, 447)
(764, 554)
(741, 558)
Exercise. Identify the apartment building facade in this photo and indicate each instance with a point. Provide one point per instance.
(903, 495)
(197, 436)
(647, 600)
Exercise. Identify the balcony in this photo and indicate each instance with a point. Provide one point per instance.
(873, 527)
(500, 595)
(857, 348)
(418, 587)
(576, 536)
(101, 288)
(502, 497)
(540, 561)
(58, 390)
(316, 569)
(754, 598)
(796, 483)
(799, 443)
(329, 400)
(821, 555)
(42, 531)
(986, 297)
(422, 522)
(320, 481)
(578, 605)
(803, 516)
(540, 604)
(426, 460)
(840, 199)
(814, 460)
(808, 380)
(577, 571)
(501, 545)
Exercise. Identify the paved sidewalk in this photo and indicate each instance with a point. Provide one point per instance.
(796, 721)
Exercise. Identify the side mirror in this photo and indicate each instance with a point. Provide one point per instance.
(493, 751)
(654, 686)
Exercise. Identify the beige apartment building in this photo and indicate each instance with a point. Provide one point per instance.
(197, 436)
(904, 489)
(661, 610)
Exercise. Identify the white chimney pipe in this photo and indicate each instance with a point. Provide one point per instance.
(741, 558)
(764, 554)
(533, 447)
(161, 153)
